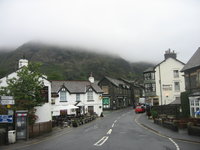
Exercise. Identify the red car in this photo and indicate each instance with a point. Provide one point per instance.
(139, 109)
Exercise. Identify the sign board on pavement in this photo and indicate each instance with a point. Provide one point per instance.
(6, 97)
(6, 119)
(7, 100)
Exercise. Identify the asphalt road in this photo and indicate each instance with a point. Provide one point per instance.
(118, 130)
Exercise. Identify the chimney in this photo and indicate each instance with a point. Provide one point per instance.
(23, 62)
(91, 78)
(170, 54)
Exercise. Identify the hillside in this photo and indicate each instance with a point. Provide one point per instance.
(71, 64)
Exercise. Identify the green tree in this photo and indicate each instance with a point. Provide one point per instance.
(26, 89)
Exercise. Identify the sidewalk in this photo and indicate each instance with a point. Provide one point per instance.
(57, 131)
(181, 135)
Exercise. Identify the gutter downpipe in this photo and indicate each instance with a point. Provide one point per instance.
(160, 85)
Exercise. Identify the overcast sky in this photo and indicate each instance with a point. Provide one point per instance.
(137, 30)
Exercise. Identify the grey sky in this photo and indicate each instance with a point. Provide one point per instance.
(137, 30)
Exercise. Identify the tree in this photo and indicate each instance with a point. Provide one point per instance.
(26, 89)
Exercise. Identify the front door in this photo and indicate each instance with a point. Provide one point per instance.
(91, 109)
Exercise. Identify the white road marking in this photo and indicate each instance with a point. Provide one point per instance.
(113, 125)
(177, 147)
(115, 121)
(159, 134)
(109, 131)
(101, 141)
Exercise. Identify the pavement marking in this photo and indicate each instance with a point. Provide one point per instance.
(162, 135)
(157, 133)
(109, 131)
(177, 147)
(113, 125)
(101, 141)
(115, 121)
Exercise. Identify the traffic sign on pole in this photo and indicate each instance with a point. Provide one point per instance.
(6, 119)
(7, 100)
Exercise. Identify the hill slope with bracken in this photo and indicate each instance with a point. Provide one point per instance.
(60, 63)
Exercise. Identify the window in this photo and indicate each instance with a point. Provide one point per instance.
(192, 103)
(196, 102)
(153, 76)
(150, 87)
(176, 74)
(78, 97)
(149, 76)
(176, 86)
(63, 95)
(90, 95)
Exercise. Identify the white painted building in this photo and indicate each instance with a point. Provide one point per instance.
(43, 112)
(164, 82)
(76, 97)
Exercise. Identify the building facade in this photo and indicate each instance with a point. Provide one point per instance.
(164, 82)
(192, 82)
(43, 112)
(116, 93)
(137, 91)
(76, 97)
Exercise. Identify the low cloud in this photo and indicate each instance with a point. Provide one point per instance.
(137, 30)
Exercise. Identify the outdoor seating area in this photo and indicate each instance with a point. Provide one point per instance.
(72, 120)
(174, 123)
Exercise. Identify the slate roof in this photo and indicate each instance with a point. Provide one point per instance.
(193, 62)
(150, 69)
(117, 82)
(74, 86)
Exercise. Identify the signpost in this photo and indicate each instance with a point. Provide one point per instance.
(7, 100)
(6, 119)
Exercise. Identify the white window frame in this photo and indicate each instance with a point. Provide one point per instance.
(90, 96)
(194, 105)
(63, 95)
(175, 86)
(78, 97)
(176, 73)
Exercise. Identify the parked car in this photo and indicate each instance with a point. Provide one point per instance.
(139, 109)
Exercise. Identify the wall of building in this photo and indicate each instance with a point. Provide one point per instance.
(165, 79)
(71, 100)
(43, 112)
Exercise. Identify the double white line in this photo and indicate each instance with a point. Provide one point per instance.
(101, 141)
(105, 138)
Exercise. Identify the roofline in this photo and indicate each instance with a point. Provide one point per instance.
(169, 58)
(105, 77)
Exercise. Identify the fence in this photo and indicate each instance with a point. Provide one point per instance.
(168, 110)
(39, 129)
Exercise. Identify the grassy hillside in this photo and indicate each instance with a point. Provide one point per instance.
(71, 64)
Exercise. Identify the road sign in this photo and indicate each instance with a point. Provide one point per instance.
(7, 100)
(6, 119)
(106, 101)
(6, 97)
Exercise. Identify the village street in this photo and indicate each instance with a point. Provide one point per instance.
(119, 130)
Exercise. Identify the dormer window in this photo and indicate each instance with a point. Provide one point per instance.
(90, 95)
(63, 95)
(78, 99)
